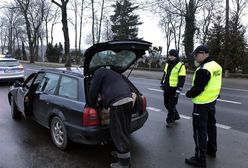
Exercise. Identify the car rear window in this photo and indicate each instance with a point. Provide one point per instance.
(9, 63)
(118, 59)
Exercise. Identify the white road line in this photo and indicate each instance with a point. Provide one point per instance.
(189, 118)
(242, 90)
(223, 126)
(228, 101)
(157, 90)
(185, 117)
(222, 100)
(153, 109)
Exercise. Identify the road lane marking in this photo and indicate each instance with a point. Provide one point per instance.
(221, 100)
(153, 109)
(189, 118)
(223, 126)
(157, 90)
(185, 117)
(228, 101)
(242, 90)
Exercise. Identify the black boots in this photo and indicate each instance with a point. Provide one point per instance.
(211, 154)
(195, 161)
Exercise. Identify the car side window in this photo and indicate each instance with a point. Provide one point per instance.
(29, 80)
(68, 87)
(49, 83)
(37, 81)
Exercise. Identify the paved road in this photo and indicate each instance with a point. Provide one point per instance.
(25, 144)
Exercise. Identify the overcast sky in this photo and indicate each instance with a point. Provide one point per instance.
(149, 30)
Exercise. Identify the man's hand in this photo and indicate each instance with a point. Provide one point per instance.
(188, 94)
(177, 93)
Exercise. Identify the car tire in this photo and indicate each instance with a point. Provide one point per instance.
(14, 112)
(59, 133)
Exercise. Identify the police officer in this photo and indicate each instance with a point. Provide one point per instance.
(172, 83)
(117, 96)
(205, 90)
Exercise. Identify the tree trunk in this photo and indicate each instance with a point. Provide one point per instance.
(66, 36)
(93, 22)
(80, 29)
(100, 23)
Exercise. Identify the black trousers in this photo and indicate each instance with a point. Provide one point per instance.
(120, 123)
(204, 129)
(170, 102)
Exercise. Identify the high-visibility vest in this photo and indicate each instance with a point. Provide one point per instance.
(178, 70)
(212, 89)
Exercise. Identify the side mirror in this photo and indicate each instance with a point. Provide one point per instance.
(17, 84)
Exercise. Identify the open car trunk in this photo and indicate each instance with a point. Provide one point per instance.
(138, 104)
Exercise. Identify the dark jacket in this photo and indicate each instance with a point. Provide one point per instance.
(110, 85)
(202, 77)
(166, 86)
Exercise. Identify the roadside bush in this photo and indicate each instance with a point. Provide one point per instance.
(53, 53)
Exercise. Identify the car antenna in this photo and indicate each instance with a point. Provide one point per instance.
(132, 69)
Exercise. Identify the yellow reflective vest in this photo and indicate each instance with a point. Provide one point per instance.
(178, 70)
(212, 89)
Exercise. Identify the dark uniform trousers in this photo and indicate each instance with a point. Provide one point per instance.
(120, 123)
(170, 102)
(204, 129)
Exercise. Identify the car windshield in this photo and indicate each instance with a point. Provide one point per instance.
(118, 59)
(9, 63)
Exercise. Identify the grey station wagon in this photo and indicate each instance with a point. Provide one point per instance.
(57, 98)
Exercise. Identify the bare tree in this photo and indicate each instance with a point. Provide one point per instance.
(100, 22)
(207, 13)
(171, 14)
(237, 13)
(165, 23)
(63, 7)
(51, 16)
(3, 33)
(75, 9)
(81, 25)
(93, 21)
(33, 13)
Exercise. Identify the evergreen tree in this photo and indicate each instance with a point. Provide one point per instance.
(189, 33)
(216, 41)
(124, 22)
(216, 44)
(237, 47)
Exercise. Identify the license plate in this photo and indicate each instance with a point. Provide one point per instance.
(8, 71)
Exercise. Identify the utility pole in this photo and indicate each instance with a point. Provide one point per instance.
(227, 54)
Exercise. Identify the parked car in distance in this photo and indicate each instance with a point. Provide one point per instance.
(57, 98)
(10, 69)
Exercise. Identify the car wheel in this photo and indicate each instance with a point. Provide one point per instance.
(14, 112)
(59, 133)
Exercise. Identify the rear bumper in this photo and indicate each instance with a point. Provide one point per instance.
(12, 77)
(139, 121)
(88, 135)
(96, 135)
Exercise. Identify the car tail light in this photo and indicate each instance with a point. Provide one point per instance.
(20, 68)
(144, 103)
(90, 117)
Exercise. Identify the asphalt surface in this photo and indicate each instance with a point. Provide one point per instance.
(25, 144)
